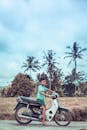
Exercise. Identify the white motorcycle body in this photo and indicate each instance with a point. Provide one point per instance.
(52, 110)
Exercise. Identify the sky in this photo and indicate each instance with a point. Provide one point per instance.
(29, 27)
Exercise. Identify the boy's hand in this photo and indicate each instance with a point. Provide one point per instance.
(49, 96)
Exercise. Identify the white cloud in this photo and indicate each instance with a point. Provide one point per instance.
(29, 27)
(6, 4)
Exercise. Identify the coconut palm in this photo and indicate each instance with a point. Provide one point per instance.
(50, 62)
(76, 52)
(81, 76)
(31, 64)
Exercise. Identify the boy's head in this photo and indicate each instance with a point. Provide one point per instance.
(43, 82)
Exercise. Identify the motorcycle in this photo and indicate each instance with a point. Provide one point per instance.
(28, 110)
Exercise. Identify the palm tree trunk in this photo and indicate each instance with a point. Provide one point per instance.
(75, 69)
(75, 76)
(50, 84)
(30, 72)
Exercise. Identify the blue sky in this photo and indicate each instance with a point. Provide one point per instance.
(27, 27)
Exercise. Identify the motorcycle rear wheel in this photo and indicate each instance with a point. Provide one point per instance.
(62, 117)
(20, 111)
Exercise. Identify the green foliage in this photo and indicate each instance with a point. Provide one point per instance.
(68, 89)
(24, 85)
(83, 89)
(75, 52)
(53, 72)
(31, 64)
(50, 62)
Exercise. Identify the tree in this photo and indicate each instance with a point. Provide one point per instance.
(69, 79)
(76, 52)
(81, 76)
(31, 64)
(21, 86)
(50, 62)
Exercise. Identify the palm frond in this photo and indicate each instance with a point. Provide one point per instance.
(70, 62)
(45, 56)
(25, 70)
(34, 69)
(69, 53)
(24, 65)
(84, 49)
(44, 64)
(80, 57)
(67, 57)
(68, 47)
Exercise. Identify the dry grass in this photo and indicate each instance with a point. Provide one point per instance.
(72, 102)
(78, 106)
(7, 105)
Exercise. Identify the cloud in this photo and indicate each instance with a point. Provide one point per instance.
(13, 14)
(6, 4)
(29, 27)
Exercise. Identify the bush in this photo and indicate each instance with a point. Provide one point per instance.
(83, 89)
(69, 89)
(21, 86)
(79, 114)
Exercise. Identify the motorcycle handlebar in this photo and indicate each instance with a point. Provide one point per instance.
(54, 95)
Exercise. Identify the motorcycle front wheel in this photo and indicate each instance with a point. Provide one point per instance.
(20, 113)
(62, 117)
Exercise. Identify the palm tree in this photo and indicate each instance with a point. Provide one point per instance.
(81, 76)
(76, 52)
(50, 62)
(31, 64)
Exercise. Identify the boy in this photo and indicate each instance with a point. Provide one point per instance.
(41, 97)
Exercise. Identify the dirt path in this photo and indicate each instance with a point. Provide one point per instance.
(13, 125)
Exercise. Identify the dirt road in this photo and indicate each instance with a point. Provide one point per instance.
(13, 125)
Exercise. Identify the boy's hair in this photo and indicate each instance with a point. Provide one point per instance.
(41, 79)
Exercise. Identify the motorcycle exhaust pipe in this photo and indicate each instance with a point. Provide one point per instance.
(27, 117)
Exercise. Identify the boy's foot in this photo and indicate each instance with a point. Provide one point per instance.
(43, 124)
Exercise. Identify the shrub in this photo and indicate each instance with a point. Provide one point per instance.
(79, 114)
(21, 85)
(69, 89)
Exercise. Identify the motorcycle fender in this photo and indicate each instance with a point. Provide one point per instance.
(60, 108)
(18, 105)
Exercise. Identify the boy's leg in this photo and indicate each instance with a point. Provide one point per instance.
(44, 114)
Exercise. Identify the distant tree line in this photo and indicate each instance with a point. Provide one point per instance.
(70, 85)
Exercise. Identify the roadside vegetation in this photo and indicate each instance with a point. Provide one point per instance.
(72, 85)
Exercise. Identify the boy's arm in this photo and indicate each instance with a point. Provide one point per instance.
(49, 90)
(45, 94)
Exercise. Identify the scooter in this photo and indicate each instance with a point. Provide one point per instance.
(28, 110)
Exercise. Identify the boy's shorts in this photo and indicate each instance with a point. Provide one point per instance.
(41, 102)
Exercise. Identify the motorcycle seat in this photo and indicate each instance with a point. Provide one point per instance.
(31, 101)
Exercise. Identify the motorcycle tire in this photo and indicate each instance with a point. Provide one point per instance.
(19, 119)
(62, 117)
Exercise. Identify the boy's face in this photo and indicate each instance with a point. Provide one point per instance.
(43, 82)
